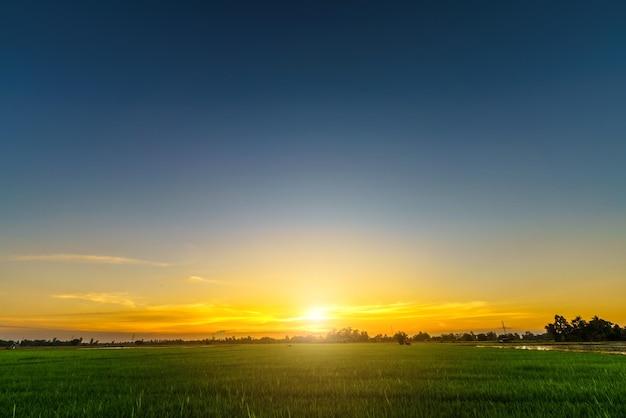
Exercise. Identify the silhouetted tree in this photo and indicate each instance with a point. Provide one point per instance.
(421, 337)
(560, 329)
(380, 338)
(617, 333)
(597, 329)
(529, 336)
(490, 336)
(448, 337)
(402, 338)
(579, 331)
(468, 337)
(482, 337)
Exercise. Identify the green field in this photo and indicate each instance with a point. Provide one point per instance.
(325, 380)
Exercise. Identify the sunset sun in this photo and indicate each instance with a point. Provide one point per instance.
(316, 315)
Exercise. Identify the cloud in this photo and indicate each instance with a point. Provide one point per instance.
(410, 310)
(111, 298)
(121, 312)
(83, 258)
(198, 279)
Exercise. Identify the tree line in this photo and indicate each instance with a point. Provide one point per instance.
(579, 330)
(74, 342)
(343, 335)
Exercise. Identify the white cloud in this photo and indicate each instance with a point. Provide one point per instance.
(83, 258)
(198, 279)
(112, 298)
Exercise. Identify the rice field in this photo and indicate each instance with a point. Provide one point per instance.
(317, 380)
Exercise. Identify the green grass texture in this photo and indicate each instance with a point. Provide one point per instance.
(316, 380)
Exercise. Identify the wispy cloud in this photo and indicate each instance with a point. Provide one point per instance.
(122, 312)
(414, 309)
(111, 298)
(410, 310)
(83, 258)
(198, 279)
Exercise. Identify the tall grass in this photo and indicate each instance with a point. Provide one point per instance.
(376, 380)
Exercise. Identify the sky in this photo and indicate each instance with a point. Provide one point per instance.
(197, 169)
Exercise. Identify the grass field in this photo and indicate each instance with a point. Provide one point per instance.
(350, 380)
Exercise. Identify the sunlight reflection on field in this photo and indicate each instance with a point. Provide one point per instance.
(579, 348)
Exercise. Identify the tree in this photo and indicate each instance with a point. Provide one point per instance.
(579, 330)
(482, 337)
(560, 329)
(402, 338)
(617, 333)
(468, 337)
(421, 337)
(347, 335)
(599, 329)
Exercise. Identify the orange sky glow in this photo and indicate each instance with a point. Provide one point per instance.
(292, 286)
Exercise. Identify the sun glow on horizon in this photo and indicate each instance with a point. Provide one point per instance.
(130, 312)
(317, 315)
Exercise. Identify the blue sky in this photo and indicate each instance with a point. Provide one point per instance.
(162, 131)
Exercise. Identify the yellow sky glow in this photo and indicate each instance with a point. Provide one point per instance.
(276, 285)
